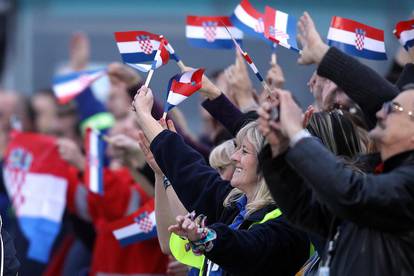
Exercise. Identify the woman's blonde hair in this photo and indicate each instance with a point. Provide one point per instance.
(262, 196)
(220, 156)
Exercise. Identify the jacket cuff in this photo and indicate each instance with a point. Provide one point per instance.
(333, 64)
(159, 139)
(212, 104)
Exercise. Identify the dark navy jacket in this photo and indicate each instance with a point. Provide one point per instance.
(271, 248)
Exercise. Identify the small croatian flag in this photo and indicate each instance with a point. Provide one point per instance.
(404, 31)
(142, 50)
(281, 28)
(209, 32)
(181, 86)
(95, 148)
(137, 227)
(248, 19)
(357, 39)
(67, 87)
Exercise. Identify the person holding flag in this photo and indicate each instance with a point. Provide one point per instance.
(255, 236)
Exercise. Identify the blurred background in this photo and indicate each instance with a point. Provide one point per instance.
(35, 34)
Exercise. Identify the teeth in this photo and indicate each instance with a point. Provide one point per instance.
(238, 170)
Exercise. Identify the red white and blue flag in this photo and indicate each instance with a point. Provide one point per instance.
(404, 31)
(280, 28)
(357, 39)
(67, 87)
(137, 227)
(143, 50)
(248, 19)
(36, 179)
(209, 32)
(182, 86)
(95, 148)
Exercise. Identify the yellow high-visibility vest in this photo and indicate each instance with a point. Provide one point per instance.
(177, 245)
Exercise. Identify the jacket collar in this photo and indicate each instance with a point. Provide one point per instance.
(259, 214)
(397, 160)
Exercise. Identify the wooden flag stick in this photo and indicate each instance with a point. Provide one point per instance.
(106, 139)
(149, 77)
(273, 59)
(164, 115)
(181, 65)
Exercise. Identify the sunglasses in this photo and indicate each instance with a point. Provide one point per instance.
(391, 107)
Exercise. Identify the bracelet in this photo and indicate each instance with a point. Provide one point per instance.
(166, 182)
(205, 244)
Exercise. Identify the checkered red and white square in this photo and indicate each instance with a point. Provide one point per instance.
(210, 28)
(145, 44)
(359, 39)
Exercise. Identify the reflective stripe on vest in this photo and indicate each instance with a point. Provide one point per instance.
(177, 245)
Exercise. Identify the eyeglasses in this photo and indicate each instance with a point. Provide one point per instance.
(390, 107)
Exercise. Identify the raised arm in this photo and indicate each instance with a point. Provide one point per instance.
(382, 201)
(198, 186)
(362, 84)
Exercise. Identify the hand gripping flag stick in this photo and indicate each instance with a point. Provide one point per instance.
(248, 60)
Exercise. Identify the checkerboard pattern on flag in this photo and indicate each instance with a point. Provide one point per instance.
(95, 148)
(248, 19)
(404, 31)
(67, 87)
(357, 39)
(36, 179)
(182, 86)
(137, 227)
(281, 28)
(143, 50)
(209, 32)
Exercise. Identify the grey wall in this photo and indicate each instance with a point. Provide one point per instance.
(43, 28)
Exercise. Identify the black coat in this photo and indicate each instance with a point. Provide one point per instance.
(271, 248)
(362, 84)
(376, 211)
(8, 253)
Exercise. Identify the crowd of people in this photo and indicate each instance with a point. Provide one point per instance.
(267, 189)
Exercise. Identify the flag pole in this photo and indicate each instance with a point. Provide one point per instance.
(149, 77)
(181, 65)
(248, 60)
(164, 115)
(273, 56)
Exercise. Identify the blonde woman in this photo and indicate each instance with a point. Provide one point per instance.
(245, 233)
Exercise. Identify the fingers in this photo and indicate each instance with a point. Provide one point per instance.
(163, 123)
(171, 126)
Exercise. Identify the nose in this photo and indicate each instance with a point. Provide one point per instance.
(235, 157)
(380, 114)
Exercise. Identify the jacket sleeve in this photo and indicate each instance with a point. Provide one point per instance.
(296, 200)
(198, 186)
(381, 201)
(11, 263)
(362, 84)
(273, 247)
(224, 111)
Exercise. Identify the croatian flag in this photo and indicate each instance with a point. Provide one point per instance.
(209, 32)
(94, 147)
(142, 50)
(137, 227)
(248, 19)
(182, 86)
(357, 39)
(404, 31)
(281, 28)
(36, 179)
(66, 87)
